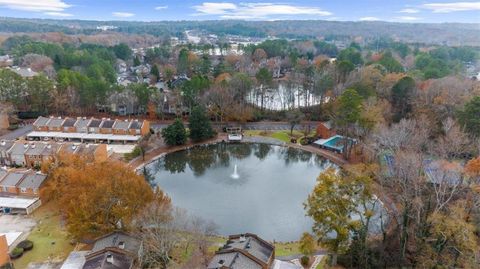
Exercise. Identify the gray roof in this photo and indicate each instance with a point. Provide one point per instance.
(121, 125)
(135, 125)
(24, 72)
(69, 148)
(41, 121)
(86, 149)
(18, 148)
(131, 243)
(33, 181)
(99, 261)
(3, 173)
(75, 260)
(252, 245)
(94, 123)
(82, 123)
(12, 179)
(107, 123)
(55, 122)
(69, 122)
(35, 149)
(6, 145)
(233, 260)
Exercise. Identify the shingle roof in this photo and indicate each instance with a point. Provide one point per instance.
(69, 122)
(6, 145)
(3, 173)
(35, 149)
(41, 121)
(121, 125)
(135, 125)
(107, 123)
(33, 181)
(233, 260)
(82, 123)
(94, 123)
(55, 122)
(131, 243)
(18, 148)
(12, 179)
(99, 260)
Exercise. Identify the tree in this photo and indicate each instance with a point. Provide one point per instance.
(264, 81)
(401, 99)
(136, 61)
(307, 244)
(122, 51)
(347, 115)
(155, 72)
(183, 64)
(175, 134)
(469, 117)
(294, 117)
(199, 125)
(95, 198)
(334, 206)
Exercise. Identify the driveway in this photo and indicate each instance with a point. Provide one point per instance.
(22, 131)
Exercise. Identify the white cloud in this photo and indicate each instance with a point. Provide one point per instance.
(36, 6)
(228, 10)
(452, 7)
(409, 10)
(407, 18)
(123, 14)
(369, 19)
(58, 14)
(161, 7)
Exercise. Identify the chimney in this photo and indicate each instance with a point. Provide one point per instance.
(121, 245)
(109, 258)
(242, 238)
(221, 263)
(3, 143)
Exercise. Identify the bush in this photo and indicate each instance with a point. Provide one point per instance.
(16, 253)
(137, 151)
(26, 245)
(306, 140)
(175, 134)
(304, 260)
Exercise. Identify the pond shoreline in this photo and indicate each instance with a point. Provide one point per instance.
(157, 153)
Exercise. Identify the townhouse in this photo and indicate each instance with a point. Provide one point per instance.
(89, 130)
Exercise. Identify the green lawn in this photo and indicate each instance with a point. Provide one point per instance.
(286, 249)
(280, 135)
(50, 240)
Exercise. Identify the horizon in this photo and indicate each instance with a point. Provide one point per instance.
(416, 11)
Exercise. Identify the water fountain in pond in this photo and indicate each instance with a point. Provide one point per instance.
(235, 175)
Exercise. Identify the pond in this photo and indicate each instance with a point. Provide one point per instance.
(255, 188)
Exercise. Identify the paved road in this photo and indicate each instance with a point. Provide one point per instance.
(22, 131)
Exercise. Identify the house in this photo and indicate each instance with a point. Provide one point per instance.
(40, 124)
(31, 183)
(4, 156)
(106, 126)
(120, 127)
(10, 181)
(34, 154)
(244, 251)
(117, 250)
(325, 130)
(16, 154)
(94, 126)
(55, 124)
(24, 72)
(139, 128)
(81, 125)
(69, 125)
(179, 81)
(93, 152)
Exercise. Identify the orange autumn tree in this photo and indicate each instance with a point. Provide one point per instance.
(96, 198)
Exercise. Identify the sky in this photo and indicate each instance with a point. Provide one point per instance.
(411, 11)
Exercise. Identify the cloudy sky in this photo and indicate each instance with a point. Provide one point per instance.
(155, 10)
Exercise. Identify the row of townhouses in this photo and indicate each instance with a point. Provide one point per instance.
(33, 153)
(20, 182)
(94, 130)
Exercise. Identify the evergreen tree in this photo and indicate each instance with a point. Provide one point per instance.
(199, 124)
(175, 134)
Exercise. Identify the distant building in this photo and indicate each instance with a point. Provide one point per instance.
(244, 251)
(24, 72)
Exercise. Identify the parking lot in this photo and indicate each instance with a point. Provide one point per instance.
(11, 224)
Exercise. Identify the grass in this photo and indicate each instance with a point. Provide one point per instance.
(286, 249)
(50, 240)
(280, 135)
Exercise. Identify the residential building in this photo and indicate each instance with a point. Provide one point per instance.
(106, 126)
(55, 124)
(120, 127)
(244, 251)
(24, 183)
(40, 124)
(117, 250)
(4, 156)
(69, 125)
(325, 130)
(16, 154)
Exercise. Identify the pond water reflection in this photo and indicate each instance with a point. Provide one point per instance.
(266, 198)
